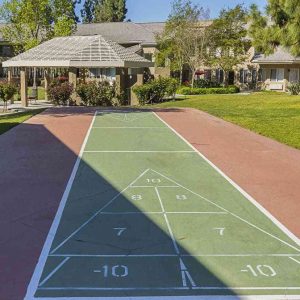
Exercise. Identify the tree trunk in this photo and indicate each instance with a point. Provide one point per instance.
(226, 78)
(180, 75)
(193, 77)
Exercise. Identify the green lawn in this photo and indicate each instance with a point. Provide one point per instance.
(9, 121)
(41, 93)
(273, 115)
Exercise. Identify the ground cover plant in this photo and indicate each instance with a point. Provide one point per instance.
(9, 121)
(203, 91)
(274, 115)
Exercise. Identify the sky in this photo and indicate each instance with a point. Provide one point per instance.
(158, 10)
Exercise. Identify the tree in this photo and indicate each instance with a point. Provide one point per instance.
(280, 26)
(104, 11)
(30, 22)
(88, 11)
(228, 40)
(184, 40)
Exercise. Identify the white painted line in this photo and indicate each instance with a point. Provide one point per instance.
(124, 118)
(150, 186)
(137, 151)
(174, 255)
(34, 282)
(115, 255)
(54, 271)
(167, 222)
(98, 127)
(225, 297)
(185, 275)
(246, 288)
(242, 191)
(111, 289)
(294, 259)
(234, 215)
(167, 212)
(96, 214)
(197, 212)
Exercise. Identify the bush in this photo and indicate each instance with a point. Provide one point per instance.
(156, 90)
(96, 93)
(7, 91)
(205, 91)
(294, 88)
(60, 93)
(204, 83)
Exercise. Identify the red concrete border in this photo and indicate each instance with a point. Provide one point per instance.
(36, 160)
(265, 169)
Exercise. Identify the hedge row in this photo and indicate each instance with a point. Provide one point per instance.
(204, 91)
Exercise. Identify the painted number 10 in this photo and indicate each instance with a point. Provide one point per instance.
(115, 271)
(153, 180)
(260, 270)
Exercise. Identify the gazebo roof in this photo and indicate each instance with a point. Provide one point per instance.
(79, 51)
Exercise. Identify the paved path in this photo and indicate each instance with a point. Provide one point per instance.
(37, 158)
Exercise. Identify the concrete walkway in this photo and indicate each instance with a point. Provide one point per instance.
(17, 106)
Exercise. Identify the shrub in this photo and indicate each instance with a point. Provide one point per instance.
(294, 88)
(156, 90)
(98, 93)
(7, 91)
(60, 93)
(204, 83)
(205, 91)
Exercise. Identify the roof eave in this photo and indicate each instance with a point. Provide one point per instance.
(36, 63)
(78, 64)
(274, 62)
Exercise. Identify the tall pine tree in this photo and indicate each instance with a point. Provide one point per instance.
(104, 11)
(278, 26)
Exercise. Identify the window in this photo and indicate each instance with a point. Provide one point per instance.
(294, 75)
(104, 74)
(254, 76)
(207, 75)
(243, 76)
(6, 51)
(277, 75)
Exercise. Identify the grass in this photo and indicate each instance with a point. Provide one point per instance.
(9, 121)
(273, 115)
(41, 93)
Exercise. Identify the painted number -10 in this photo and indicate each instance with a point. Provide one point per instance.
(114, 271)
(260, 270)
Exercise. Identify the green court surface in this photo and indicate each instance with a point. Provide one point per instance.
(145, 216)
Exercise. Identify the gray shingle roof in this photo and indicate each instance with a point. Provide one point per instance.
(281, 55)
(122, 32)
(79, 51)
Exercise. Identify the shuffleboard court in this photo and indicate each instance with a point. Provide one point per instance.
(145, 216)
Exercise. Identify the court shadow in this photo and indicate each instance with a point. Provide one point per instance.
(112, 236)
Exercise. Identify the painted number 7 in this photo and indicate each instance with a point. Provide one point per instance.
(120, 231)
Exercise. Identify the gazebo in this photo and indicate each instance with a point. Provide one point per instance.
(81, 52)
